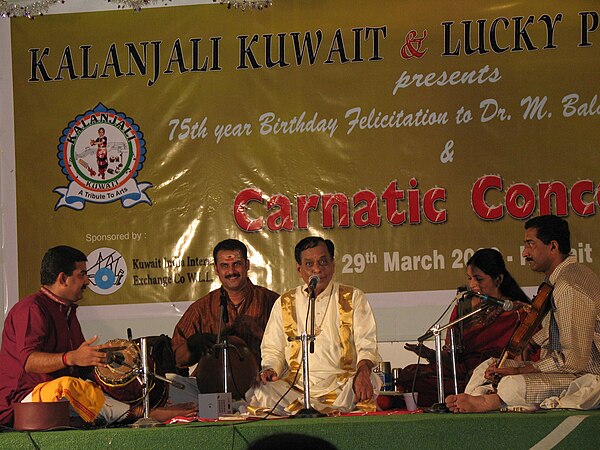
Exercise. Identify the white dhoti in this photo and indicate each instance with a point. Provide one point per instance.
(263, 398)
(511, 389)
(528, 390)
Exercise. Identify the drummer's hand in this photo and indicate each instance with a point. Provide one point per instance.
(201, 344)
(363, 388)
(87, 355)
(266, 375)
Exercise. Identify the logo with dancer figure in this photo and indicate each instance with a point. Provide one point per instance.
(101, 153)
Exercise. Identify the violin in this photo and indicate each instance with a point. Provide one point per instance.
(540, 305)
(242, 367)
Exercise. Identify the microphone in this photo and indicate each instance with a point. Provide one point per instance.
(461, 294)
(425, 336)
(224, 298)
(506, 305)
(312, 282)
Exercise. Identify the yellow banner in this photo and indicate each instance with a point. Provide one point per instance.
(410, 134)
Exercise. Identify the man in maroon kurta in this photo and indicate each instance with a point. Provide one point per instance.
(42, 343)
(38, 323)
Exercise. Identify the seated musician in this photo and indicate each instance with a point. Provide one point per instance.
(45, 358)
(569, 339)
(248, 309)
(477, 338)
(345, 346)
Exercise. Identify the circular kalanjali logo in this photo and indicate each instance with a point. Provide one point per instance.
(101, 152)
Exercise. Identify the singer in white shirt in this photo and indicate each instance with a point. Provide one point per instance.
(345, 346)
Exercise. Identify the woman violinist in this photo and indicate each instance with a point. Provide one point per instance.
(478, 338)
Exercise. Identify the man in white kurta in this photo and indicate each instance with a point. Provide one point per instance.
(345, 346)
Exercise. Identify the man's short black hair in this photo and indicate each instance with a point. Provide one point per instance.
(552, 228)
(59, 259)
(231, 245)
(311, 242)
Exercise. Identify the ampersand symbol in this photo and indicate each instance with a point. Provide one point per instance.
(448, 154)
(412, 45)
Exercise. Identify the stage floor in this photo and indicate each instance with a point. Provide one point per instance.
(546, 429)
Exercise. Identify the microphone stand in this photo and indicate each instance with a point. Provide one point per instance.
(453, 354)
(223, 319)
(146, 421)
(436, 331)
(308, 411)
(225, 346)
(311, 305)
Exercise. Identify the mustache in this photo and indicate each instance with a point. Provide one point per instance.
(233, 275)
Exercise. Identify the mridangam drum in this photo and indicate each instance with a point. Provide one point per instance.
(122, 377)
